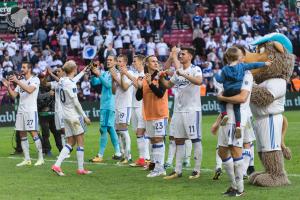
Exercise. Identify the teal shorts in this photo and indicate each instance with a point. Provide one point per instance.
(107, 118)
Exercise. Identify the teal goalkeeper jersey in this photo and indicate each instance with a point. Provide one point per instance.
(107, 100)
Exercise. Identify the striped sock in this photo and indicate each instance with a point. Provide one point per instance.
(25, 147)
(246, 160)
(80, 157)
(63, 154)
(252, 155)
(38, 145)
(141, 146)
(229, 168)
(180, 151)
(127, 139)
(158, 150)
(197, 154)
(218, 160)
(172, 150)
(188, 151)
(147, 147)
(238, 171)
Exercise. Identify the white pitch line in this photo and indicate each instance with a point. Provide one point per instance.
(107, 164)
(90, 163)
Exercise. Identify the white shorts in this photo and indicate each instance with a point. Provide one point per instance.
(27, 121)
(59, 120)
(156, 128)
(186, 125)
(249, 135)
(227, 137)
(123, 115)
(137, 120)
(75, 126)
(268, 133)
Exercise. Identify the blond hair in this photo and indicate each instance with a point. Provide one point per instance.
(69, 66)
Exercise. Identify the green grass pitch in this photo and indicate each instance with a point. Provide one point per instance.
(109, 181)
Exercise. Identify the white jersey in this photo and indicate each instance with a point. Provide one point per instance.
(124, 98)
(244, 107)
(55, 86)
(136, 103)
(187, 97)
(68, 91)
(28, 102)
(277, 87)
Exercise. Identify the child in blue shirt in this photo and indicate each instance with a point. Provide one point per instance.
(231, 77)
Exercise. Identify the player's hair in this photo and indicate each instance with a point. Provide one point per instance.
(125, 58)
(146, 62)
(190, 50)
(69, 66)
(29, 65)
(140, 57)
(241, 47)
(111, 55)
(231, 55)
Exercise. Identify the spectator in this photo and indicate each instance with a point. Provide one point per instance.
(168, 22)
(179, 17)
(150, 47)
(162, 50)
(86, 87)
(75, 43)
(63, 37)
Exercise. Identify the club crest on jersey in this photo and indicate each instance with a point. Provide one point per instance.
(74, 90)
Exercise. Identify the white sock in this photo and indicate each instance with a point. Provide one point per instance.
(218, 160)
(25, 147)
(252, 155)
(141, 146)
(188, 151)
(63, 140)
(63, 154)
(172, 149)
(127, 139)
(197, 154)
(38, 145)
(80, 157)
(238, 171)
(148, 146)
(121, 142)
(158, 153)
(229, 168)
(246, 160)
(180, 151)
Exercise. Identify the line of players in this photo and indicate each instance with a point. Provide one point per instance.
(149, 103)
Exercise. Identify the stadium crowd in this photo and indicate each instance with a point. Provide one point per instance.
(128, 53)
(60, 30)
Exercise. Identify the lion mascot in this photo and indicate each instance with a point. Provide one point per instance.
(267, 106)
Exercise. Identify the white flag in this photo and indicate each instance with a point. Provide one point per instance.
(89, 52)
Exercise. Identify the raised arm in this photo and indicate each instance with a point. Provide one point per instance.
(237, 99)
(11, 92)
(27, 88)
(165, 83)
(52, 75)
(114, 75)
(130, 77)
(255, 65)
(196, 80)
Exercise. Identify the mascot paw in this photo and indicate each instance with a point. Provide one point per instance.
(253, 176)
(287, 154)
(266, 180)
